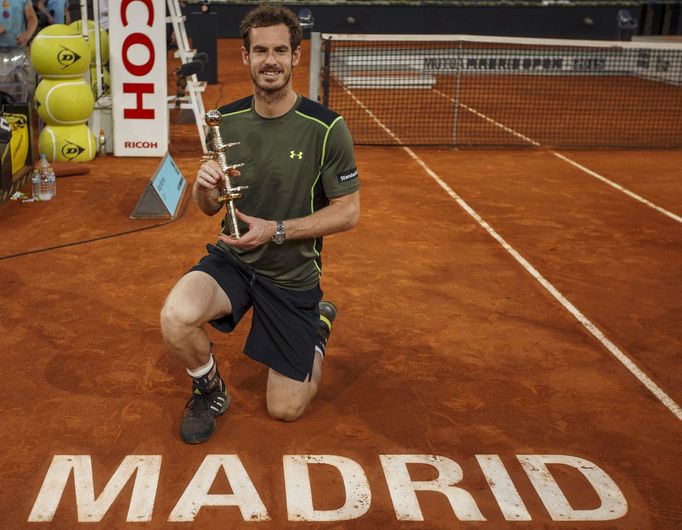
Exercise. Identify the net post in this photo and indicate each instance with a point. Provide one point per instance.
(315, 54)
(326, 71)
(455, 109)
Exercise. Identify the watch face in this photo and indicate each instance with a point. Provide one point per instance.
(279, 236)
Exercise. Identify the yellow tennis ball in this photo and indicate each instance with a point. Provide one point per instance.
(64, 102)
(67, 143)
(103, 40)
(106, 80)
(59, 51)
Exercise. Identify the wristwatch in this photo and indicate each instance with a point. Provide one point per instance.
(279, 236)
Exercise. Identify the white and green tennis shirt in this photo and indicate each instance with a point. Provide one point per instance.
(293, 165)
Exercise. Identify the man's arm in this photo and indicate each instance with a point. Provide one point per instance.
(206, 189)
(342, 214)
(31, 25)
(42, 9)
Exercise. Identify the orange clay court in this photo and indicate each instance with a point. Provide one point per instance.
(506, 355)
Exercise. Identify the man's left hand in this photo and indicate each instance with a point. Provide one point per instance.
(260, 232)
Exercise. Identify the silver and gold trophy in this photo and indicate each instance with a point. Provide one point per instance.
(228, 193)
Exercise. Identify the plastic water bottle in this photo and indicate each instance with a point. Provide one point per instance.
(46, 187)
(35, 183)
(51, 181)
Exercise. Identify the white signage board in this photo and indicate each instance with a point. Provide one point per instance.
(137, 44)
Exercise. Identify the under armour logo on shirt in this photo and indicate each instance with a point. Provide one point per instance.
(294, 154)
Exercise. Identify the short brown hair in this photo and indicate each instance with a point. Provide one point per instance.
(267, 15)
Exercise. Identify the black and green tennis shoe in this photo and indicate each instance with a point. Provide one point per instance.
(209, 400)
(324, 329)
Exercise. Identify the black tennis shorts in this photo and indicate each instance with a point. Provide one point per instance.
(284, 322)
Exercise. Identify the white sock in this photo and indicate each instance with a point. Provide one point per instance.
(202, 370)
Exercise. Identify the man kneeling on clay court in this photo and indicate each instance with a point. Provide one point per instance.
(302, 184)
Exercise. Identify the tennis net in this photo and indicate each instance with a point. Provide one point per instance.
(459, 90)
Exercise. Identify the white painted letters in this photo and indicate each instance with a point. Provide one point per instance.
(300, 496)
(92, 510)
(613, 503)
(503, 489)
(403, 488)
(244, 493)
(355, 497)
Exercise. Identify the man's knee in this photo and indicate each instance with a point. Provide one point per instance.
(285, 411)
(175, 318)
(168, 317)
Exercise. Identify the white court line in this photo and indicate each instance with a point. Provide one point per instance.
(490, 120)
(594, 174)
(574, 311)
(619, 187)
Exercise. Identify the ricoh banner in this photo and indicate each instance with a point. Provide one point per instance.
(137, 41)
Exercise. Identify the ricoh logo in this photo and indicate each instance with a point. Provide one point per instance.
(138, 39)
(140, 144)
(138, 77)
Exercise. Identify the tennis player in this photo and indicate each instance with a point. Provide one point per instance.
(302, 185)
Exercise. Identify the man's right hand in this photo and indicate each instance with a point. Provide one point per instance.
(208, 184)
(210, 175)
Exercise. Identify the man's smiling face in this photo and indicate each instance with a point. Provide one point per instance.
(270, 57)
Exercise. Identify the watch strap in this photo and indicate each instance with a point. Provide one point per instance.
(279, 235)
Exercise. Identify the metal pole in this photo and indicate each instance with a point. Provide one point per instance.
(98, 59)
(455, 116)
(84, 31)
(315, 51)
(325, 75)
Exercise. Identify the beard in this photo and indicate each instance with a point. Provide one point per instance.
(271, 89)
